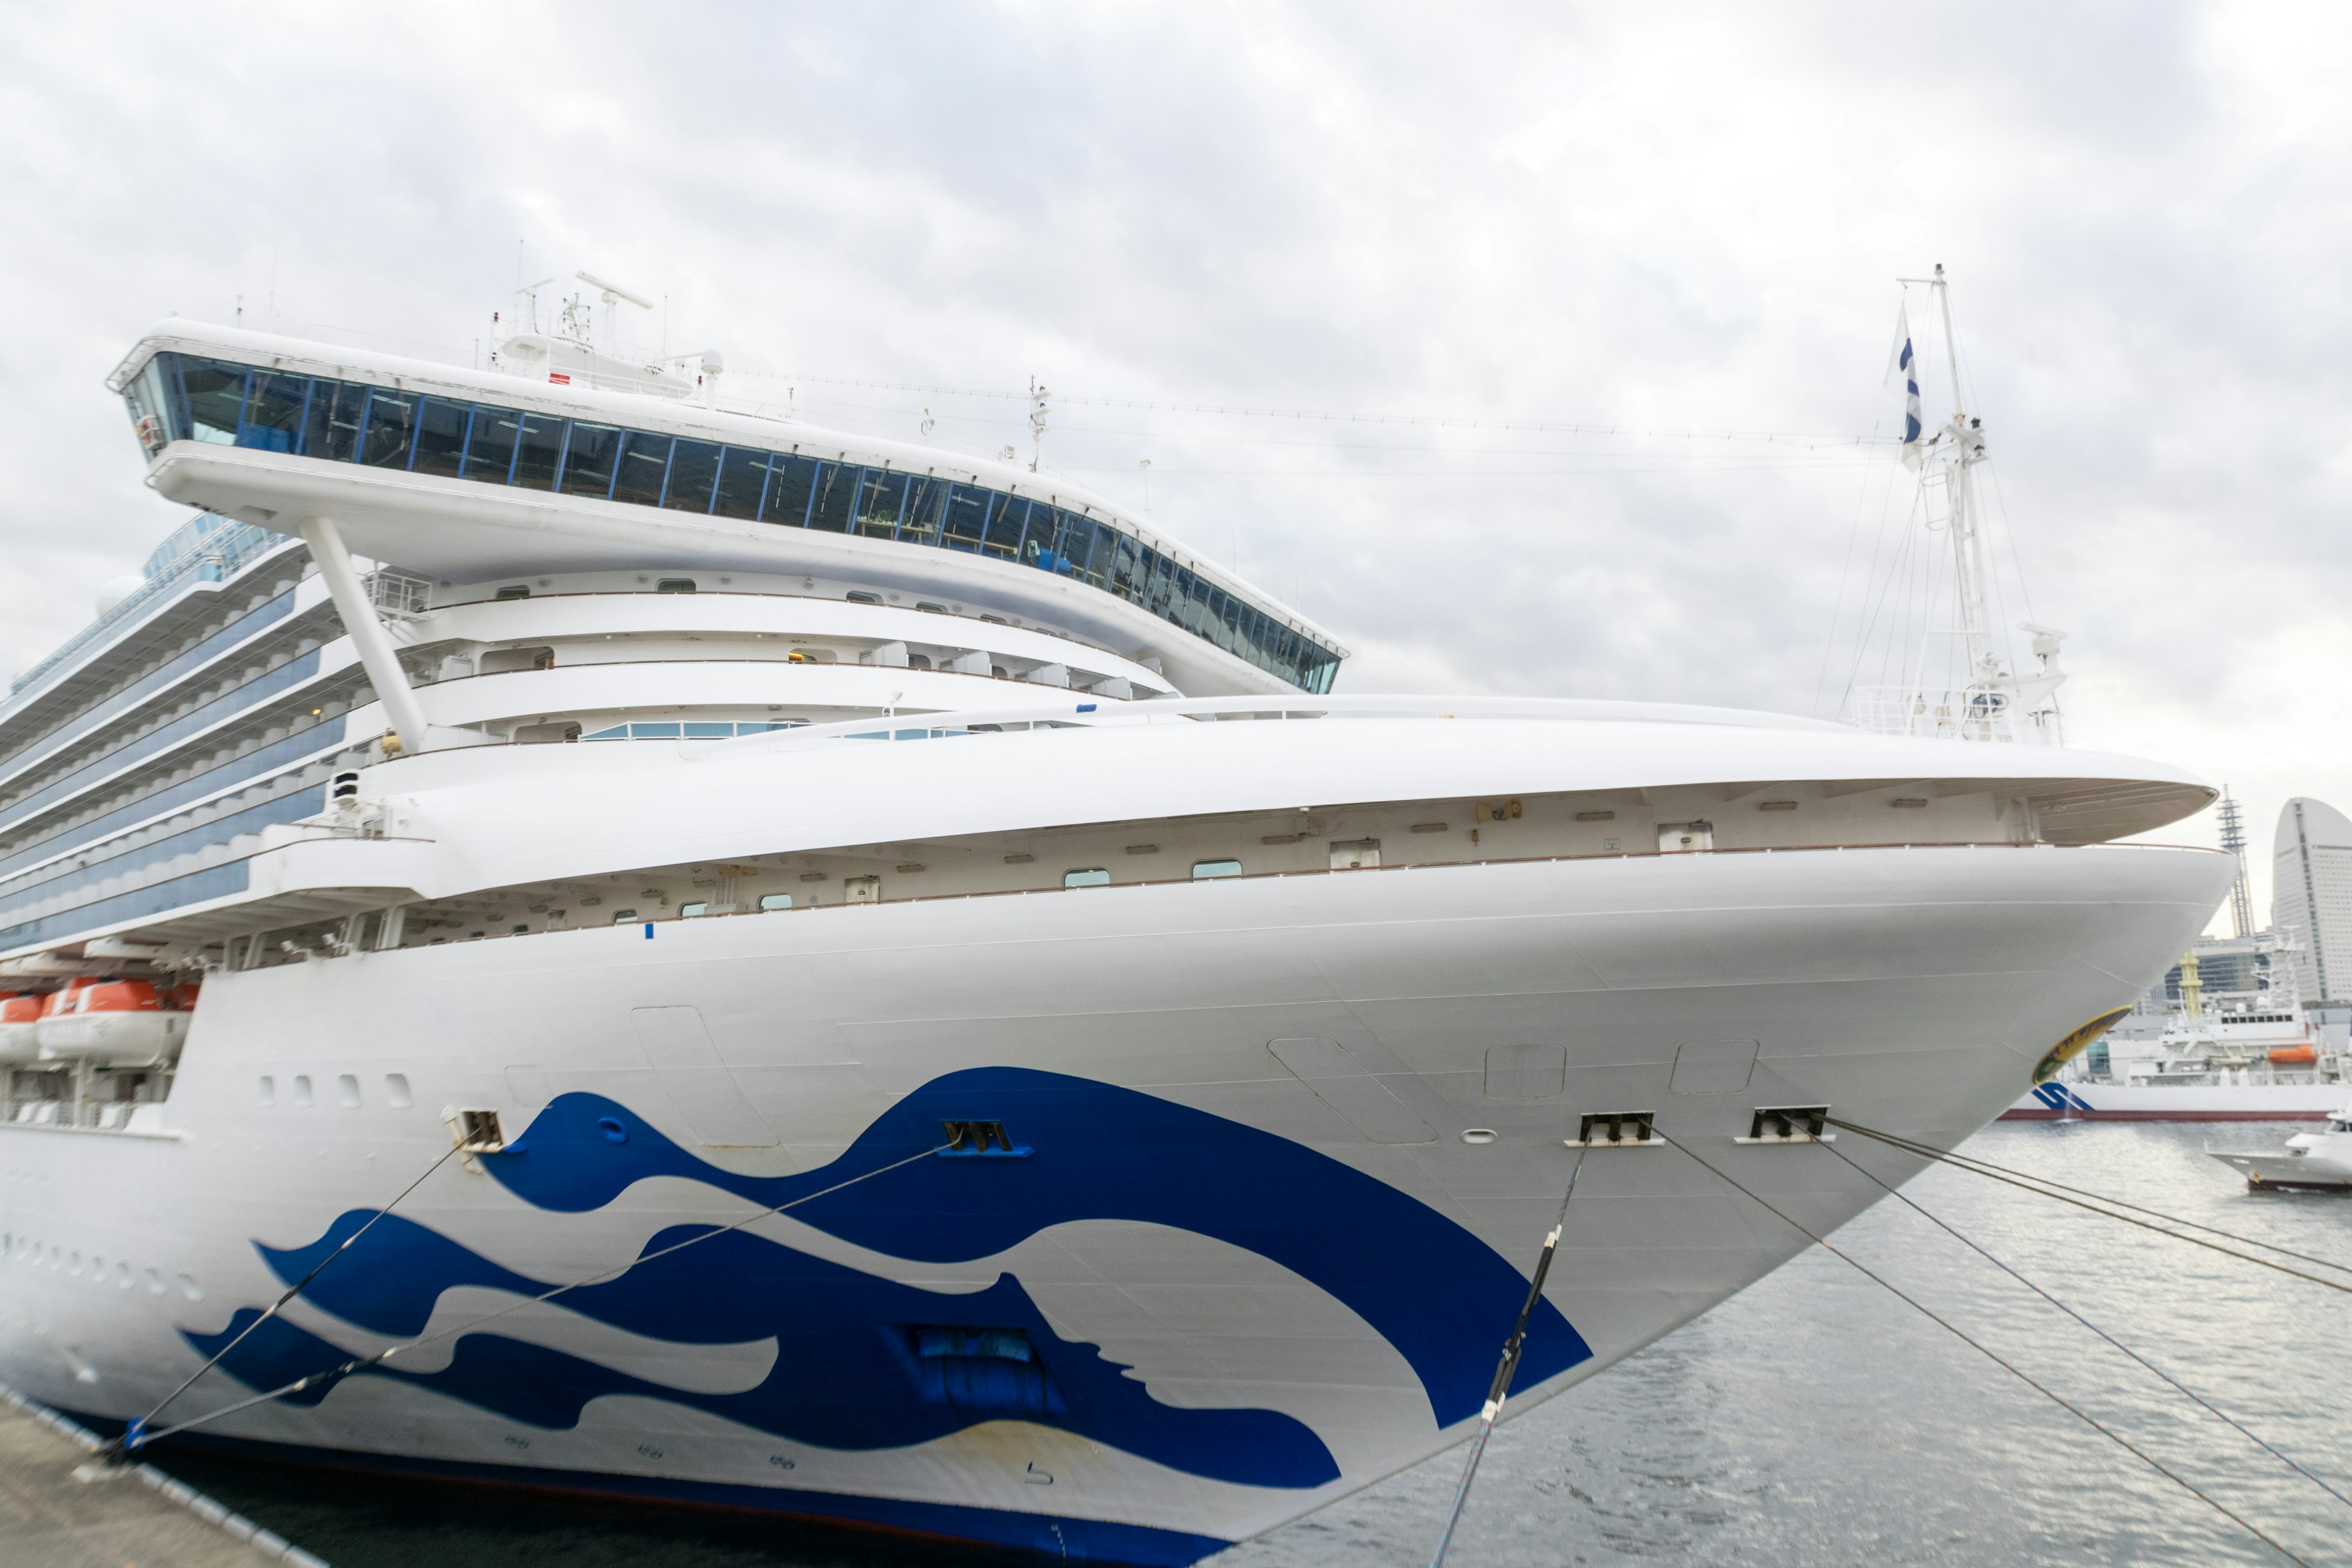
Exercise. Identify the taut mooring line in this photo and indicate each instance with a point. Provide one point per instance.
(2118, 1439)
(2066, 1195)
(2210, 1407)
(1506, 1369)
(134, 1435)
(359, 1363)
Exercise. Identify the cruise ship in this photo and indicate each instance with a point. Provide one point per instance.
(784, 970)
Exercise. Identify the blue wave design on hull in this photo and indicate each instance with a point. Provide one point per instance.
(846, 1375)
(1441, 1296)
(849, 1374)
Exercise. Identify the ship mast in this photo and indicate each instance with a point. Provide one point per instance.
(1956, 449)
(1989, 702)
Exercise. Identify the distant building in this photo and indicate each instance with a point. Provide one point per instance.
(2311, 896)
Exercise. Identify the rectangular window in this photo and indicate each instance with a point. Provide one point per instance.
(331, 429)
(878, 500)
(693, 474)
(775, 901)
(789, 482)
(490, 453)
(1127, 569)
(1007, 525)
(926, 502)
(588, 461)
(1202, 869)
(441, 437)
(391, 428)
(742, 480)
(538, 450)
(1040, 536)
(1092, 877)
(963, 519)
(644, 464)
(212, 393)
(836, 487)
(273, 412)
(1160, 582)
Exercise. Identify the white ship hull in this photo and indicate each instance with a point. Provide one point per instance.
(2084, 1101)
(1306, 1281)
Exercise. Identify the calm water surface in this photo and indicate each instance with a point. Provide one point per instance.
(1812, 1420)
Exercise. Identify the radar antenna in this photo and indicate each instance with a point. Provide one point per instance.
(614, 296)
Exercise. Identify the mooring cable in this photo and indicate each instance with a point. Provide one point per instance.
(1508, 1368)
(1929, 1152)
(131, 1441)
(1993, 1356)
(2183, 1388)
(131, 1433)
(1988, 1167)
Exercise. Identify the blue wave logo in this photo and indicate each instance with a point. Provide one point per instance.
(865, 1363)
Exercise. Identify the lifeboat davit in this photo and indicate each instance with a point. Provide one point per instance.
(2294, 1057)
(18, 1042)
(112, 1023)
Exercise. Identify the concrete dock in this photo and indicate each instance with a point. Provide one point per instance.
(61, 1508)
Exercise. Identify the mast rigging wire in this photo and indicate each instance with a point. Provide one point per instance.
(1997, 1359)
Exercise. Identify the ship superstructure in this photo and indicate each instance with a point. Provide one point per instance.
(983, 1040)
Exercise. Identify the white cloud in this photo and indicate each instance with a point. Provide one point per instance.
(1683, 217)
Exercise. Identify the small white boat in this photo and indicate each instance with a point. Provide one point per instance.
(2309, 1161)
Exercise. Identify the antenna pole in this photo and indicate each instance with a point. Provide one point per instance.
(1951, 344)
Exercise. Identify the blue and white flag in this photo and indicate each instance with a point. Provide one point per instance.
(1905, 367)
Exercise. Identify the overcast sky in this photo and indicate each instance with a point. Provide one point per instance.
(1656, 219)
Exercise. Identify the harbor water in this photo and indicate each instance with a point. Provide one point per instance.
(1814, 1419)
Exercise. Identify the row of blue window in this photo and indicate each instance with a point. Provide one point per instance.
(184, 397)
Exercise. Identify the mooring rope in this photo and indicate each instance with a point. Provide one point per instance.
(1508, 1368)
(2209, 1406)
(132, 1434)
(1992, 1355)
(2066, 1195)
(360, 1363)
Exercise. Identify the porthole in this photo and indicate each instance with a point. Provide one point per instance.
(611, 1127)
(190, 1288)
(268, 1089)
(395, 1090)
(347, 1090)
(155, 1283)
(122, 1275)
(302, 1091)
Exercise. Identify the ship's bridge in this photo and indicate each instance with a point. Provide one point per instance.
(473, 477)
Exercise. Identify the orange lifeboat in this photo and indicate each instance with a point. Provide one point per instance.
(2294, 1056)
(110, 1023)
(19, 1041)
